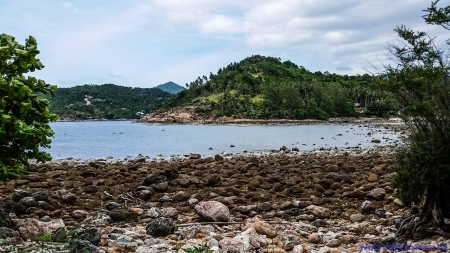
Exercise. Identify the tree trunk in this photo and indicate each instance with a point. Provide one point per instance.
(426, 218)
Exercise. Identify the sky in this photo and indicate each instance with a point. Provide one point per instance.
(144, 43)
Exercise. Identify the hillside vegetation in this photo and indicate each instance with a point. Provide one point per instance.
(264, 87)
(107, 101)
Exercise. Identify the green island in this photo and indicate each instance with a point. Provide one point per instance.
(107, 101)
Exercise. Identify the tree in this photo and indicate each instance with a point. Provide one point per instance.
(419, 79)
(24, 113)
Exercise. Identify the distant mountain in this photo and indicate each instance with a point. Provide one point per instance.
(106, 101)
(170, 87)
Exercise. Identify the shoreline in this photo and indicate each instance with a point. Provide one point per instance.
(231, 121)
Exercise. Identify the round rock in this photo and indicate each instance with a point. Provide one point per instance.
(160, 227)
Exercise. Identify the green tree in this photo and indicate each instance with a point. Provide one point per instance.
(420, 81)
(24, 114)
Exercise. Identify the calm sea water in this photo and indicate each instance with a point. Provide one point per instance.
(121, 139)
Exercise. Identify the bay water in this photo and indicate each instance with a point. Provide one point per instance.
(121, 139)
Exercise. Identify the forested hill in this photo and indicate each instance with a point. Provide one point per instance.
(107, 101)
(264, 87)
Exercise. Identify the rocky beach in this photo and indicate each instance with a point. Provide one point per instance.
(328, 201)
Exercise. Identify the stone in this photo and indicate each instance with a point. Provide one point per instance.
(31, 228)
(335, 186)
(261, 227)
(377, 194)
(314, 238)
(212, 179)
(111, 205)
(356, 217)
(298, 249)
(274, 249)
(195, 156)
(28, 202)
(146, 194)
(398, 202)
(246, 241)
(136, 210)
(307, 227)
(64, 196)
(160, 227)
(212, 211)
(168, 212)
(153, 212)
(90, 234)
(18, 195)
(122, 215)
(45, 206)
(367, 207)
(161, 187)
(40, 196)
(84, 246)
(319, 212)
(347, 239)
(5, 232)
(181, 196)
(165, 176)
(165, 198)
(5, 221)
(372, 178)
(333, 243)
(218, 158)
(79, 214)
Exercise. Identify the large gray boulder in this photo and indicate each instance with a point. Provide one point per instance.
(212, 211)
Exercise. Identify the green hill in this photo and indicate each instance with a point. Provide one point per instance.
(264, 87)
(107, 101)
(170, 87)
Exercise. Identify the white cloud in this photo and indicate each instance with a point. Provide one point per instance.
(151, 42)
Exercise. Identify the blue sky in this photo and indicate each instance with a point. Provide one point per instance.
(143, 43)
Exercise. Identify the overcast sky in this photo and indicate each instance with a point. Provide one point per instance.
(143, 43)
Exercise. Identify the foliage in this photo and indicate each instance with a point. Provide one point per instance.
(24, 115)
(198, 249)
(107, 101)
(420, 82)
(62, 235)
(265, 87)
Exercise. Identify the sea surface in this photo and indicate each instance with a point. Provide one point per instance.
(121, 139)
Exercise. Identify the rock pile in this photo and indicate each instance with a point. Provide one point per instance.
(312, 202)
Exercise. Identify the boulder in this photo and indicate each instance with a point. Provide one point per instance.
(31, 228)
(246, 241)
(18, 195)
(122, 215)
(168, 212)
(377, 194)
(319, 212)
(260, 226)
(160, 227)
(64, 196)
(84, 246)
(5, 221)
(5, 232)
(212, 211)
(90, 234)
(367, 207)
(165, 176)
(28, 202)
